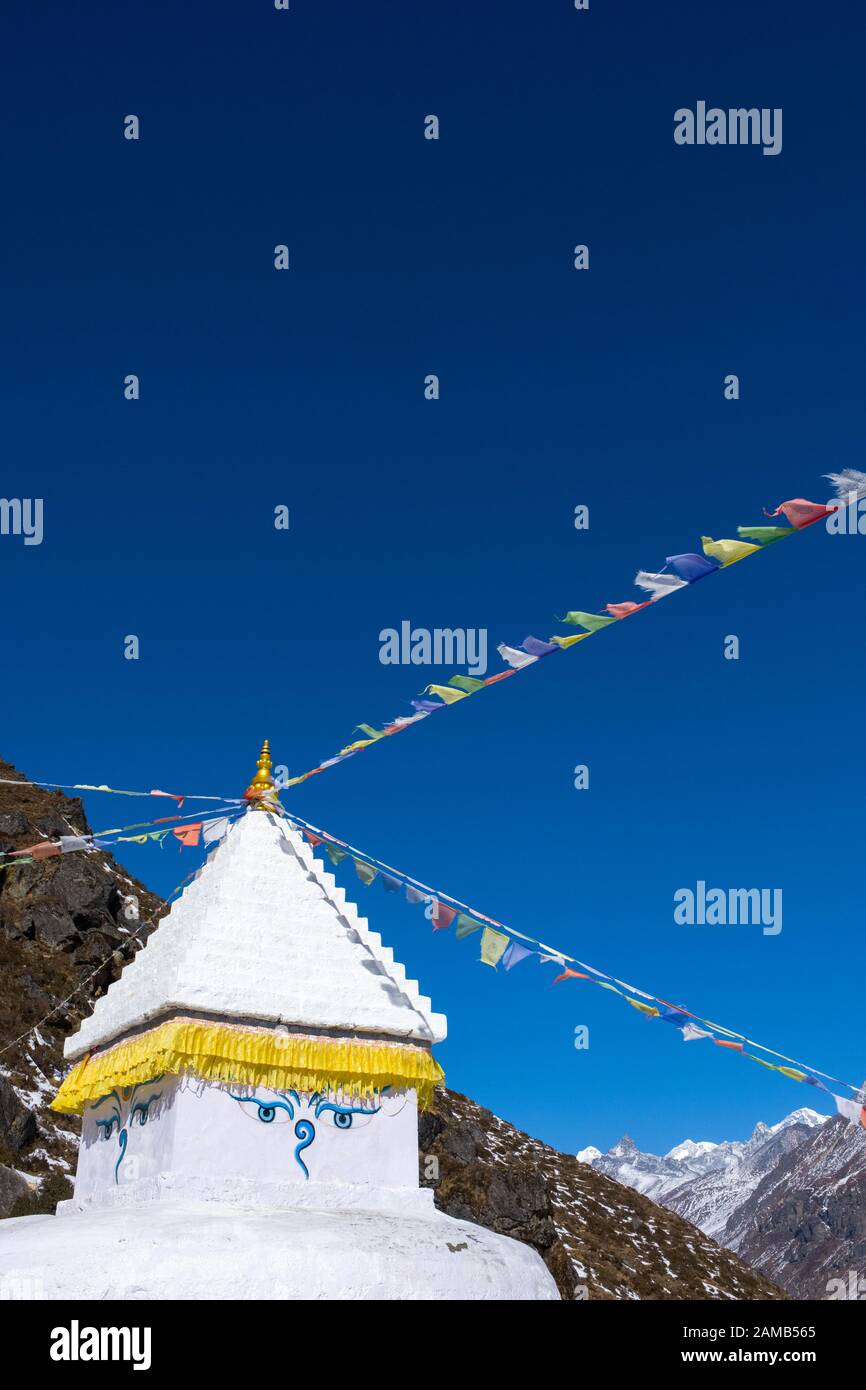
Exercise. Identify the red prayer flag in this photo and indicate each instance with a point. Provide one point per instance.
(188, 834)
(442, 916)
(569, 975)
(622, 610)
(801, 513)
(45, 850)
(172, 796)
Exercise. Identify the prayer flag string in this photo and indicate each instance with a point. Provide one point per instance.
(501, 944)
(679, 572)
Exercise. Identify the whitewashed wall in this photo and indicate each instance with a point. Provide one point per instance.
(193, 1129)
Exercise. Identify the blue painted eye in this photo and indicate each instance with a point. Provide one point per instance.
(141, 1111)
(345, 1116)
(267, 1111)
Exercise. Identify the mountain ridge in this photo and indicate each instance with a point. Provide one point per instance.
(791, 1199)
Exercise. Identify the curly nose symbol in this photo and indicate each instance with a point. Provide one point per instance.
(306, 1133)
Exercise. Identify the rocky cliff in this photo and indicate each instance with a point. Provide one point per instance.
(68, 925)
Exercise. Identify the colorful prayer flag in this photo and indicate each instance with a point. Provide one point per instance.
(514, 955)
(68, 843)
(442, 915)
(515, 657)
(727, 552)
(648, 1009)
(691, 1033)
(536, 647)
(658, 585)
(47, 850)
(623, 610)
(446, 693)
(214, 829)
(852, 1110)
(188, 834)
(765, 535)
(691, 567)
(591, 621)
(493, 946)
(468, 683)
(801, 513)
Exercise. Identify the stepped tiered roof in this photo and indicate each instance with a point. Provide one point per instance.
(264, 934)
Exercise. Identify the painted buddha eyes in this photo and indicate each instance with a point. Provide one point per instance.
(344, 1116)
(136, 1111)
(142, 1111)
(310, 1109)
(272, 1111)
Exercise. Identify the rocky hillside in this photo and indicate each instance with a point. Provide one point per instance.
(599, 1239)
(805, 1222)
(63, 921)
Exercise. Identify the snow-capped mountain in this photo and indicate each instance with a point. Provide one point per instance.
(703, 1181)
(791, 1200)
(804, 1224)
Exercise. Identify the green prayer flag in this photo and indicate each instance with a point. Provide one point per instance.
(465, 926)
(335, 855)
(467, 683)
(591, 621)
(493, 945)
(370, 731)
(765, 535)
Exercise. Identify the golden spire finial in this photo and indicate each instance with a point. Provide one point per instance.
(261, 789)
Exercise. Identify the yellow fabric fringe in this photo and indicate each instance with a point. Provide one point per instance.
(250, 1057)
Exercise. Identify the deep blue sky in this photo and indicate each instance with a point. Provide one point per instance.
(605, 387)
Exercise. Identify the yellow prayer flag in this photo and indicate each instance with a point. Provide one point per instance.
(727, 552)
(493, 944)
(446, 693)
(647, 1009)
(569, 641)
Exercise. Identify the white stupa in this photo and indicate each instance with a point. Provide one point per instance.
(249, 1092)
